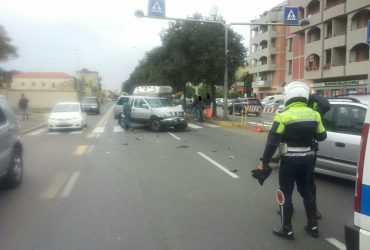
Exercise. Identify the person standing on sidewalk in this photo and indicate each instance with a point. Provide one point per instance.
(296, 127)
(23, 106)
(208, 107)
(200, 106)
(126, 110)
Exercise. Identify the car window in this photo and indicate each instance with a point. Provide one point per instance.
(349, 119)
(121, 101)
(157, 103)
(328, 118)
(139, 103)
(2, 117)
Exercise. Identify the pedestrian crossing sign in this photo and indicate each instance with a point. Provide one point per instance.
(291, 15)
(157, 8)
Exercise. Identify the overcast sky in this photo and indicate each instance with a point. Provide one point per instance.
(103, 36)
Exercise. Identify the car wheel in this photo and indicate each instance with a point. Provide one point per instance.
(15, 170)
(121, 123)
(155, 125)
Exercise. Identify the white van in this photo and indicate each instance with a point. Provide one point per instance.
(357, 231)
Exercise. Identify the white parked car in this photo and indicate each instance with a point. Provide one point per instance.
(67, 115)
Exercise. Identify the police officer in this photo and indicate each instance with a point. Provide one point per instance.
(295, 127)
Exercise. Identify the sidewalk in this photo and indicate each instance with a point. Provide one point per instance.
(35, 121)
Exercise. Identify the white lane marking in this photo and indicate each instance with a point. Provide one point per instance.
(71, 182)
(91, 135)
(90, 149)
(76, 132)
(53, 133)
(99, 130)
(118, 129)
(211, 125)
(218, 165)
(97, 135)
(174, 136)
(194, 126)
(37, 132)
(336, 243)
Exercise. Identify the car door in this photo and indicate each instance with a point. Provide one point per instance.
(5, 141)
(344, 135)
(140, 110)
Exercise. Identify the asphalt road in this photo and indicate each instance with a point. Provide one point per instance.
(103, 188)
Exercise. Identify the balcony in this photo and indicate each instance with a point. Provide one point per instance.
(262, 68)
(314, 48)
(357, 36)
(333, 71)
(334, 11)
(312, 73)
(357, 68)
(261, 84)
(336, 41)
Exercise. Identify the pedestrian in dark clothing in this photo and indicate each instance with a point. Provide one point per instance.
(194, 108)
(23, 106)
(200, 109)
(127, 115)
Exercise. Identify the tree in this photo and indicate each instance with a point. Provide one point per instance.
(192, 52)
(7, 51)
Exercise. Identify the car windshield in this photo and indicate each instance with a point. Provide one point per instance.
(66, 108)
(158, 103)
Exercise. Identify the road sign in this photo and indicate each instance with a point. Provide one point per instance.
(368, 32)
(291, 15)
(157, 8)
(280, 198)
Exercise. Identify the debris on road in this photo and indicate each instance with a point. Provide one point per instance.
(231, 157)
(183, 146)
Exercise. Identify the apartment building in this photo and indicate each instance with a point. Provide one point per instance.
(267, 53)
(47, 81)
(331, 52)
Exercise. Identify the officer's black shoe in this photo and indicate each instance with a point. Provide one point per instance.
(313, 231)
(284, 233)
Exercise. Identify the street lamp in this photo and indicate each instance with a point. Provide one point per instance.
(140, 14)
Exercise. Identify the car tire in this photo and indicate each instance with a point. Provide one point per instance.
(155, 125)
(14, 176)
(121, 123)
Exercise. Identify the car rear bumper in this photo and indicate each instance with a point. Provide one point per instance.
(356, 238)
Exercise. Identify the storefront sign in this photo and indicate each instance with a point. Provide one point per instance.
(340, 84)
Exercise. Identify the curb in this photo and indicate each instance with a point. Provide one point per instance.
(33, 128)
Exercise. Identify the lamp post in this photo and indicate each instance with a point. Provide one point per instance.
(140, 14)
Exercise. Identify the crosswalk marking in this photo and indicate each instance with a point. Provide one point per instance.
(76, 132)
(37, 132)
(99, 130)
(117, 129)
(194, 126)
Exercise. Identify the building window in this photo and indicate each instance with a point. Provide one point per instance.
(263, 44)
(43, 84)
(334, 92)
(328, 29)
(360, 19)
(313, 7)
(53, 85)
(263, 60)
(290, 67)
(312, 62)
(359, 53)
(290, 44)
(313, 35)
(23, 84)
(327, 59)
(33, 84)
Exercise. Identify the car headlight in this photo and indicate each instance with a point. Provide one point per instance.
(167, 114)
